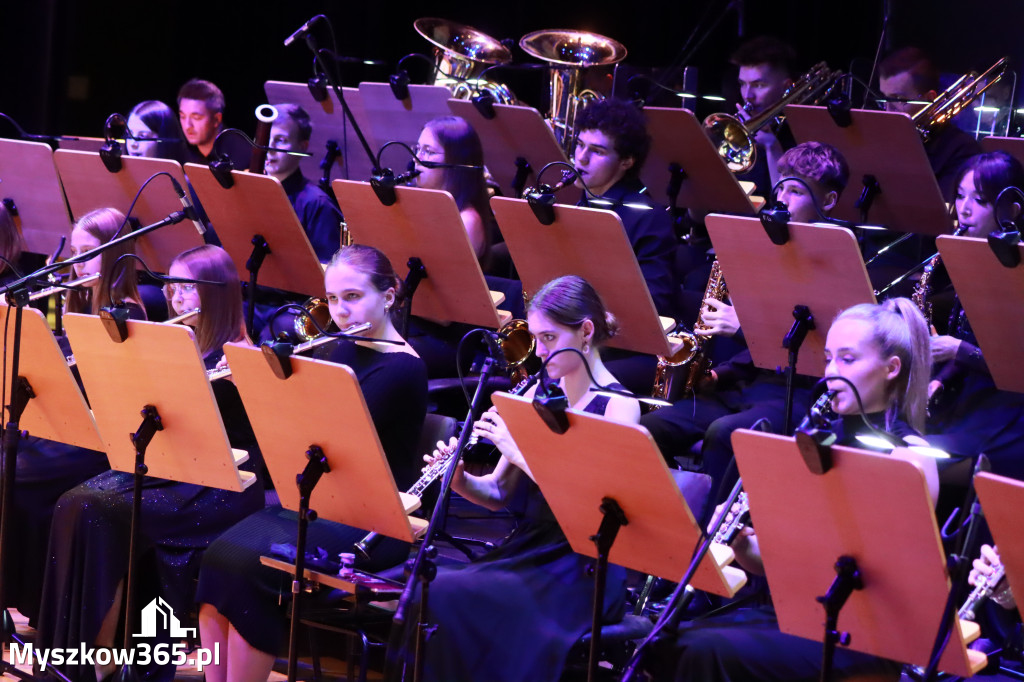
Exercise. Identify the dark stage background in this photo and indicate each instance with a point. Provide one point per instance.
(67, 64)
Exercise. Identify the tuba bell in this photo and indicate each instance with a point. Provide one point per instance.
(734, 140)
(461, 55)
(570, 54)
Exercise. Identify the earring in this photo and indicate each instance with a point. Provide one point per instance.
(586, 347)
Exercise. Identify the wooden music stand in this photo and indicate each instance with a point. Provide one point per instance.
(58, 411)
(871, 507)
(820, 267)
(640, 521)
(1014, 146)
(707, 184)
(401, 120)
(81, 144)
(28, 176)
(424, 224)
(992, 295)
(591, 243)
(158, 365)
(89, 185)
(517, 135)
(1001, 500)
(885, 145)
(324, 405)
(575, 470)
(257, 206)
(329, 123)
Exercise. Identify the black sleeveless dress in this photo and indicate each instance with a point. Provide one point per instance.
(514, 613)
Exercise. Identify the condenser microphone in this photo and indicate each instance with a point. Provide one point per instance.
(187, 208)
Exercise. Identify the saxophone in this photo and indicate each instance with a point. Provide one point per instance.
(692, 357)
(923, 289)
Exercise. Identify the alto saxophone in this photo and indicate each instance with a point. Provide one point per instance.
(692, 357)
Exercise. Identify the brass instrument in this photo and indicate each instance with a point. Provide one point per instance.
(461, 54)
(184, 317)
(318, 310)
(956, 97)
(224, 373)
(570, 54)
(517, 345)
(981, 592)
(50, 291)
(692, 357)
(734, 139)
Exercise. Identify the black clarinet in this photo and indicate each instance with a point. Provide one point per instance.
(434, 471)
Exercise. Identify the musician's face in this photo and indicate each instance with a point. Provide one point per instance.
(851, 352)
(137, 140)
(183, 297)
(552, 336)
(82, 242)
(762, 85)
(284, 134)
(799, 200)
(598, 163)
(352, 299)
(973, 211)
(900, 87)
(199, 124)
(428, 148)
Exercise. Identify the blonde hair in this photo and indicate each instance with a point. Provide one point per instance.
(900, 330)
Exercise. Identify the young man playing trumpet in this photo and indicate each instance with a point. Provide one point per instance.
(766, 70)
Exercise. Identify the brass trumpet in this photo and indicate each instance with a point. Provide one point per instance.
(60, 288)
(570, 53)
(461, 55)
(734, 139)
(956, 97)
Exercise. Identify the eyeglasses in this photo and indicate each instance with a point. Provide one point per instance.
(426, 152)
(171, 290)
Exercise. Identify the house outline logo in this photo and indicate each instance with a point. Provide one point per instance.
(158, 615)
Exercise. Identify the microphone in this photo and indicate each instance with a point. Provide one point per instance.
(302, 32)
(187, 208)
(407, 177)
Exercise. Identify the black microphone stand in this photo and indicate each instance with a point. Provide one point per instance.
(423, 568)
(21, 392)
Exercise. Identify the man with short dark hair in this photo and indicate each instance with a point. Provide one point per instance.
(201, 114)
(767, 67)
(909, 75)
(318, 214)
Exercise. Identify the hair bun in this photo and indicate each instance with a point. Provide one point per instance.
(611, 323)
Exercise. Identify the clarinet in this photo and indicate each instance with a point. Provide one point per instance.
(728, 531)
(434, 471)
(980, 593)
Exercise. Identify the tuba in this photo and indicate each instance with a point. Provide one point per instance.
(734, 140)
(956, 97)
(692, 357)
(570, 53)
(461, 55)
